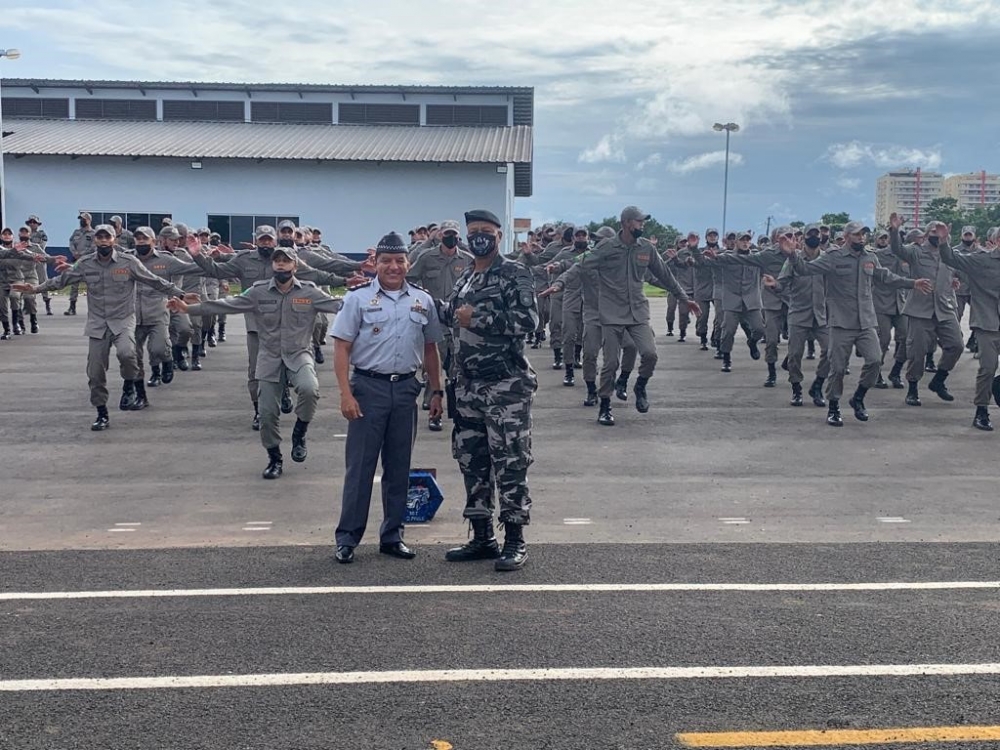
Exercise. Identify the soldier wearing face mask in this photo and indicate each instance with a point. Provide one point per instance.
(529, 257)
(970, 244)
(704, 291)
(889, 303)
(11, 274)
(81, 243)
(124, 239)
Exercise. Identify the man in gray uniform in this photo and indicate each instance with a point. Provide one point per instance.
(81, 243)
(680, 261)
(704, 291)
(387, 330)
(930, 317)
(124, 239)
(40, 238)
(558, 249)
(622, 263)
(572, 302)
(970, 244)
(33, 273)
(850, 272)
(11, 275)
(111, 278)
(889, 304)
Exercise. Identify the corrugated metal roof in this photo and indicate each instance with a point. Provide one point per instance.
(235, 140)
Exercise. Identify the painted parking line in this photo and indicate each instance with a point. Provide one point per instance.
(840, 737)
(494, 675)
(257, 526)
(497, 588)
(892, 519)
(577, 521)
(735, 520)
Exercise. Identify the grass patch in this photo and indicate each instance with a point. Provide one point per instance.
(653, 291)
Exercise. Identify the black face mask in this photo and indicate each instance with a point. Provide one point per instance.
(968, 243)
(637, 233)
(264, 252)
(286, 242)
(881, 244)
(857, 246)
(214, 243)
(83, 222)
(712, 245)
(934, 240)
(482, 243)
(7, 243)
(812, 242)
(449, 241)
(581, 245)
(282, 277)
(104, 252)
(143, 249)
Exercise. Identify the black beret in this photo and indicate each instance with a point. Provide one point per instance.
(391, 243)
(481, 214)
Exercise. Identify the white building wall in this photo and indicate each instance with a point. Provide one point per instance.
(353, 203)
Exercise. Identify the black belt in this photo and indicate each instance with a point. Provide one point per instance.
(392, 378)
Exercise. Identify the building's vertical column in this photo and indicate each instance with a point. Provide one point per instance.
(72, 108)
(159, 109)
(246, 110)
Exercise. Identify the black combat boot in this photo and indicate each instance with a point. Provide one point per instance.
(536, 340)
(857, 403)
(641, 400)
(127, 402)
(273, 470)
(754, 349)
(796, 394)
(683, 336)
(48, 305)
(286, 401)
(833, 417)
(772, 375)
(255, 425)
(6, 329)
(718, 353)
(557, 359)
(727, 362)
(180, 358)
(670, 329)
(168, 372)
(929, 365)
(318, 355)
(591, 399)
(604, 415)
(704, 343)
(912, 396)
(141, 402)
(33, 318)
(937, 386)
(16, 324)
(970, 344)
(714, 341)
(982, 419)
(102, 422)
(784, 363)
(299, 451)
(154, 378)
(568, 380)
(621, 386)
(996, 390)
(195, 357)
(210, 338)
(895, 373)
(482, 546)
(816, 392)
(577, 353)
(222, 331)
(201, 347)
(72, 308)
(810, 350)
(515, 551)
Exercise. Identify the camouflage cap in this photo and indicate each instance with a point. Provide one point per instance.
(170, 233)
(450, 225)
(747, 235)
(288, 252)
(711, 230)
(812, 228)
(34, 219)
(286, 224)
(182, 228)
(783, 230)
(215, 235)
(913, 235)
(882, 233)
(106, 228)
(932, 226)
(116, 219)
(633, 213)
(203, 230)
(265, 230)
(969, 230)
(853, 227)
(85, 215)
(145, 232)
(605, 232)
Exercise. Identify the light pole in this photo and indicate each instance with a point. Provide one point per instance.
(730, 128)
(10, 54)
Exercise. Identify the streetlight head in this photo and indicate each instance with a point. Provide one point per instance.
(10, 54)
(719, 127)
(733, 127)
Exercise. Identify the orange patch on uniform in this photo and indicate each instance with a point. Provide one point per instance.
(119, 271)
(642, 257)
(869, 266)
(301, 301)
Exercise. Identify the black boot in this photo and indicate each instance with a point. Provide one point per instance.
(318, 355)
(255, 425)
(102, 422)
(210, 338)
(273, 470)
(34, 322)
(784, 363)
(222, 331)
(180, 358)
(604, 415)
(937, 386)
(796, 394)
(929, 365)
(970, 343)
(727, 362)
(704, 343)
(683, 336)
(621, 386)
(641, 400)
(154, 377)
(6, 329)
(895, 373)
(72, 308)
(591, 399)
(833, 417)
(168, 373)
(536, 341)
(996, 390)
(754, 349)
(568, 380)
(857, 403)
(195, 357)
(718, 353)
(670, 329)
(127, 402)
(810, 350)
(557, 359)
(515, 551)
(286, 401)
(482, 546)
(816, 392)
(772, 375)
(577, 353)
(880, 383)
(201, 347)
(141, 402)
(299, 451)
(48, 305)
(16, 324)
(982, 420)
(912, 396)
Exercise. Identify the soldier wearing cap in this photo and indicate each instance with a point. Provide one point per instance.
(572, 303)
(283, 307)
(81, 243)
(212, 287)
(493, 308)
(850, 272)
(11, 274)
(970, 244)
(704, 292)
(931, 317)
(215, 244)
(124, 239)
(111, 278)
(889, 303)
(527, 257)
(680, 261)
(387, 331)
(33, 273)
(249, 267)
(559, 248)
(40, 238)
(623, 263)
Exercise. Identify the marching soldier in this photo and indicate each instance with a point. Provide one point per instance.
(11, 275)
(40, 238)
(81, 243)
(704, 287)
(889, 304)
(33, 273)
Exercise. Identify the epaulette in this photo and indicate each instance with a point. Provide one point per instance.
(362, 286)
(263, 281)
(418, 287)
(308, 283)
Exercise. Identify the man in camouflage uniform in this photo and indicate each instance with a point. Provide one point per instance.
(34, 273)
(81, 243)
(493, 308)
(11, 273)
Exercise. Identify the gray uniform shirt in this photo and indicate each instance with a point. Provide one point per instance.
(125, 240)
(285, 322)
(806, 297)
(588, 282)
(388, 328)
(983, 272)
(81, 242)
(739, 282)
(150, 307)
(890, 301)
(38, 237)
(437, 271)
(682, 267)
(925, 263)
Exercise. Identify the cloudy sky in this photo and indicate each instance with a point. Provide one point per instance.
(828, 94)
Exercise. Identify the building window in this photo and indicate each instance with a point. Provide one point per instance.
(236, 229)
(378, 114)
(16, 106)
(460, 114)
(291, 112)
(115, 109)
(130, 220)
(203, 110)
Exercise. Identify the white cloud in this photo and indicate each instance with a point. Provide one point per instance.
(855, 153)
(849, 183)
(646, 184)
(650, 161)
(704, 161)
(607, 149)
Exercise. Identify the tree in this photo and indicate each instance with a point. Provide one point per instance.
(797, 224)
(945, 210)
(667, 234)
(836, 222)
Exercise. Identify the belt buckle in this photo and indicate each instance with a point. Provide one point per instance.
(394, 378)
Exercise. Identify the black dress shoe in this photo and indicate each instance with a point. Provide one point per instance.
(397, 549)
(318, 355)
(344, 554)
(754, 350)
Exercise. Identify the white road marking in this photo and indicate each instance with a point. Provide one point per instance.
(128, 524)
(892, 519)
(256, 528)
(341, 436)
(112, 531)
(734, 521)
(577, 521)
(495, 675)
(497, 588)
(258, 523)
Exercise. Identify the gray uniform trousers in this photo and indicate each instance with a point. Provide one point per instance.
(775, 321)
(253, 347)
(842, 342)
(306, 388)
(320, 328)
(153, 337)
(751, 320)
(685, 316)
(593, 340)
(556, 321)
(181, 329)
(8, 301)
(387, 429)
(797, 338)
(208, 321)
(963, 301)
(720, 315)
(921, 332)
(701, 324)
(572, 326)
(98, 359)
(893, 326)
(989, 355)
(614, 339)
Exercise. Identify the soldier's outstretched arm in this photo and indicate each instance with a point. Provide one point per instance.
(71, 275)
(819, 266)
(321, 278)
(143, 275)
(660, 271)
(905, 252)
(230, 269)
(960, 261)
(241, 303)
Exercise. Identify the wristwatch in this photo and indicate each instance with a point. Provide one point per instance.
(437, 393)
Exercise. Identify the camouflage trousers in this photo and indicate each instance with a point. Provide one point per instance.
(491, 441)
